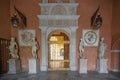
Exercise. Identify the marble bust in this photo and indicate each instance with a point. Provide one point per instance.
(13, 48)
(81, 48)
(34, 48)
(102, 48)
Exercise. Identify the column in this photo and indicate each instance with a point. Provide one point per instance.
(73, 49)
(44, 65)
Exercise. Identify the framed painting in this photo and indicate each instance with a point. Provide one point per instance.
(91, 37)
(25, 37)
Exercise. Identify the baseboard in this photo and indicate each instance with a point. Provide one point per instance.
(115, 70)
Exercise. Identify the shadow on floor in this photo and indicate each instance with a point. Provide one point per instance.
(61, 75)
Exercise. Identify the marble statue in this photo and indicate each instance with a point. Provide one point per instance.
(81, 48)
(34, 48)
(13, 47)
(102, 48)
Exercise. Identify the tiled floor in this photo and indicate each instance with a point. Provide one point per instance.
(61, 75)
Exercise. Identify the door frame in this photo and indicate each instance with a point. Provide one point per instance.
(64, 42)
(71, 32)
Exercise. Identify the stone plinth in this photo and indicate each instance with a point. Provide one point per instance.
(33, 66)
(14, 66)
(83, 66)
(102, 66)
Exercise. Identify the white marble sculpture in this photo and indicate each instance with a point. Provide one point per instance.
(33, 66)
(14, 66)
(102, 66)
(83, 66)
(13, 47)
(34, 48)
(102, 48)
(81, 48)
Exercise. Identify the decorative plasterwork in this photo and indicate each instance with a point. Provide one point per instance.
(58, 16)
(64, 8)
(25, 37)
(91, 37)
(58, 1)
(58, 22)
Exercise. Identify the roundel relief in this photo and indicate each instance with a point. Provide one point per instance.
(58, 10)
(25, 37)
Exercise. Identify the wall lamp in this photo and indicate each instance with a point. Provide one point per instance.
(98, 21)
(19, 20)
(15, 21)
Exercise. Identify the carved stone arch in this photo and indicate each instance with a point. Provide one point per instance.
(58, 10)
(51, 30)
(58, 16)
(59, 30)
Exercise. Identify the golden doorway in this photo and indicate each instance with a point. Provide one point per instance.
(58, 51)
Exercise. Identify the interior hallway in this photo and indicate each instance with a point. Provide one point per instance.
(61, 75)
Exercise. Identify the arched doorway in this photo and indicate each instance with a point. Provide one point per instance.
(58, 51)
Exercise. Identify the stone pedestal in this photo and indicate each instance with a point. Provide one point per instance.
(33, 66)
(83, 66)
(102, 66)
(14, 66)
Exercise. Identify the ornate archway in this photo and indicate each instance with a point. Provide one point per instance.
(58, 51)
(66, 21)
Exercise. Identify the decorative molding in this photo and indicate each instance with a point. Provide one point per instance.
(115, 51)
(59, 23)
(58, 17)
(91, 37)
(25, 37)
(61, 17)
(58, 8)
(115, 70)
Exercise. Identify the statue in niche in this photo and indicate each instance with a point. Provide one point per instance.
(13, 48)
(34, 48)
(81, 48)
(59, 1)
(102, 48)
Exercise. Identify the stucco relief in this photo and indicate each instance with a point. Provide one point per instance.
(59, 17)
(72, 10)
(59, 23)
(25, 37)
(58, 10)
(45, 10)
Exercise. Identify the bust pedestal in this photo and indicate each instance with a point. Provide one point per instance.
(14, 66)
(102, 65)
(33, 66)
(83, 66)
